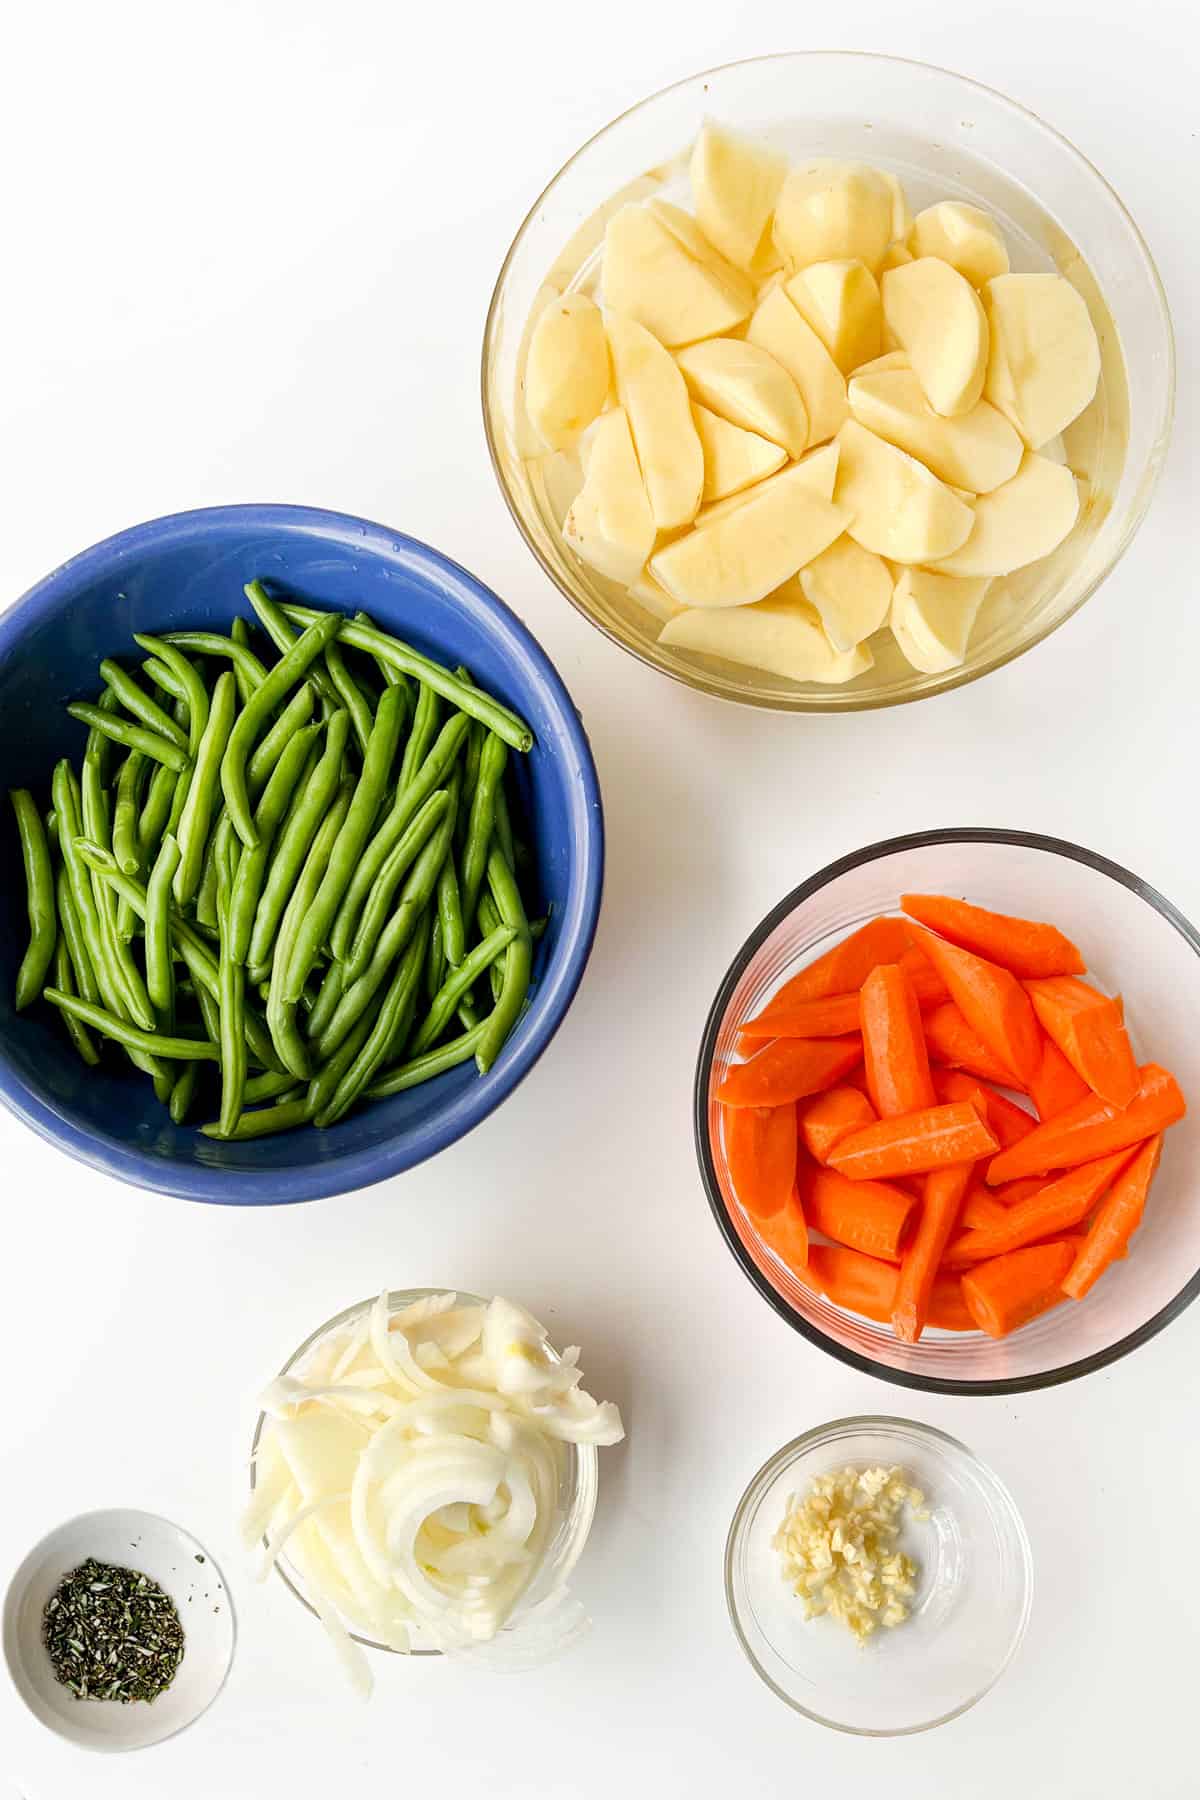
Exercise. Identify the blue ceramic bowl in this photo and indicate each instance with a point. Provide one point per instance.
(186, 572)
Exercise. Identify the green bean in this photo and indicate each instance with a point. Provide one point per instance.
(126, 844)
(156, 810)
(160, 972)
(197, 813)
(64, 980)
(252, 868)
(378, 905)
(408, 802)
(205, 905)
(360, 818)
(517, 963)
(164, 678)
(435, 959)
(68, 916)
(281, 1013)
(296, 835)
(135, 700)
(284, 1116)
(460, 983)
(189, 680)
(489, 919)
(449, 905)
(239, 631)
(424, 1068)
(351, 695)
(270, 1086)
(470, 768)
(420, 738)
(328, 1076)
(149, 1043)
(292, 719)
(134, 737)
(415, 896)
(283, 636)
(390, 1023)
(99, 746)
(39, 897)
(330, 992)
(232, 1002)
(128, 997)
(391, 675)
(502, 825)
(492, 757)
(471, 700)
(183, 1092)
(211, 643)
(279, 683)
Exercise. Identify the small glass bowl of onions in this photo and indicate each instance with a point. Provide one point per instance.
(439, 1435)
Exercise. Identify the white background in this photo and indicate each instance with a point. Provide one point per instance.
(247, 251)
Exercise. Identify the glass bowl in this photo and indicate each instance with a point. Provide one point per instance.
(1132, 939)
(974, 1586)
(946, 138)
(576, 1510)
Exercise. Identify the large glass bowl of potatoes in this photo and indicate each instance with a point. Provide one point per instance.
(828, 381)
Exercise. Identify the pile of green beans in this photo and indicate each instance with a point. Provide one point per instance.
(288, 863)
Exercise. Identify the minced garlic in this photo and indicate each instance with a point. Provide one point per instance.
(839, 1541)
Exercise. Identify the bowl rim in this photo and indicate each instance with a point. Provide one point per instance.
(927, 1384)
(848, 703)
(361, 1168)
(876, 1422)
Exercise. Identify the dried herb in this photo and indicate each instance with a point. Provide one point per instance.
(112, 1634)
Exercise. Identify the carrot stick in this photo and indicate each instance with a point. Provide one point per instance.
(950, 1040)
(981, 1211)
(864, 1284)
(1024, 946)
(927, 984)
(1087, 1027)
(760, 1148)
(1013, 1191)
(871, 1216)
(1056, 1085)
(1119, 1216)
(835, 1017)
(830, 1117)
(1010, 1290)
(786, 1232)
(894, 1053)
(914, 1143)
(1007, 1121)
(848, 964)
(1090, 1129)
(993, 1003)
(1053, 1210)
(787, 1070)
(945, 1190)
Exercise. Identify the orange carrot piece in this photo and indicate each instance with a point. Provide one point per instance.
(1025, 947)
(789, 1069)
(914, 1143)
(1007, 1292)
(760, 1148)
(848, 964)
(894, 1053)
(1090, 1129)
(830, 1117)
(871, 1216)
(865, 1285)
(1013, 1191)
(927, 984)
(1007, 1121)
(993, 1003)
(950, 1040)
(1119, 1216)
(948, 1310)
(786, 1232)
(981, 1211)
(945, 1191)
(835, 1017)
(1053, 1210)
(1056, 1086)
(1087, 1027)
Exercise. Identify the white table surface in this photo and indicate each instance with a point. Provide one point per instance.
(249, 247)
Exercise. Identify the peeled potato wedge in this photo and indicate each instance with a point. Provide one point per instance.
(648, 593)
(777, 327)
(566, 370)
(815, 473)
(851, 590)
(840, 301)
(782, 635)
(662, 273)
(935, 316)
(932, 617)
(978, 450)
(964, 236)
(826, 211)
(891, 359)
(734, 187)
(902, 219)
(746, 553)
(610, 524)
(733, 459)
(896, 507)
(1018, 523)
(1044, 363)
(749, 388)
(655, 398)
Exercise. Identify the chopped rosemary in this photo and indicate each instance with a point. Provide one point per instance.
(112, 1634)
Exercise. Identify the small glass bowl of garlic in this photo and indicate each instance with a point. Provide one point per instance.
(828, 380)
(878, 1576)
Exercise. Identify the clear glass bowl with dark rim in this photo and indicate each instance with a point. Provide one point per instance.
(946, 138)
(1135, 942)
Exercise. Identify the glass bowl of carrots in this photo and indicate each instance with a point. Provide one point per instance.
(941, 1110)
